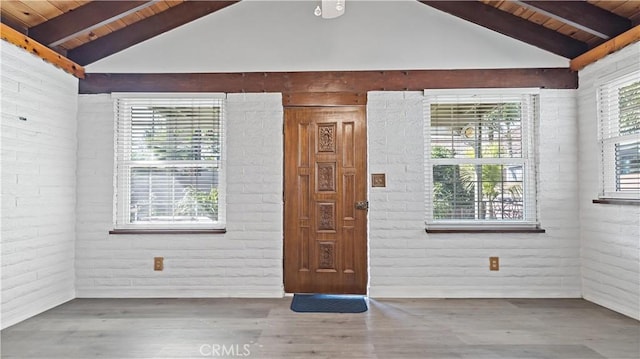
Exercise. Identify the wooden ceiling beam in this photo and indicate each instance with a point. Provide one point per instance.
(43, 52)
(511, 25)
(144, 30)
(583, 16)
(13, 24)
(627, 38)
(330, 81)
(84, 19)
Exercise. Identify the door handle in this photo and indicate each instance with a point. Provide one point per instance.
(363, 205)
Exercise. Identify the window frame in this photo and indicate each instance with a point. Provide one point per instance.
(607, 144)
(120, 214)
(530, 221)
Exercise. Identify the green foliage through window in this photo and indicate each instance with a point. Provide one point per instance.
(479, 159)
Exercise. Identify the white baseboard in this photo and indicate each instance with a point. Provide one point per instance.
(155, 292)
(471, 292)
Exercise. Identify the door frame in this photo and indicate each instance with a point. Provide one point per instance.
(327, 99)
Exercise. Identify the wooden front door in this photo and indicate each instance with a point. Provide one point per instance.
(325, 244)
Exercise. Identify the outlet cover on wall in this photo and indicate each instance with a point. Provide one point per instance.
(494, 263)
(158, 263)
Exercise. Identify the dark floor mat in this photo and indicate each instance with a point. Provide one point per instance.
(328, 303)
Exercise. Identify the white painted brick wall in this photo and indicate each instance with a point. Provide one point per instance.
(610, 234)
(406, 262)
(246, 261)
(38, 184)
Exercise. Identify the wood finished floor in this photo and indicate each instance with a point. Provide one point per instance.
(392, 328)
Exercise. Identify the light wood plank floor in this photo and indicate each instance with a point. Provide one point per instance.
(267, 328)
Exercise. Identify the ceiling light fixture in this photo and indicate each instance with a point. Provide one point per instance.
(330, 9)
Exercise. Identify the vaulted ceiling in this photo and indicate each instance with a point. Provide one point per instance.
(86, 31)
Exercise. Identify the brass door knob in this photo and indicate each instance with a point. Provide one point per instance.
(364, 205)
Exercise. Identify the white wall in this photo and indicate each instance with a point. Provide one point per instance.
(286, 36)
(610, 234)
(407, 262)
(38, 184)
(246, 261)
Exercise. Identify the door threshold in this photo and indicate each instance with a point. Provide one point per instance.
(288, 295)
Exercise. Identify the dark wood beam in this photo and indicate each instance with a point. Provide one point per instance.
(583, 16)
(330, 81)
(512, 26)
(13, 24)
(83, 19)
(144, 30)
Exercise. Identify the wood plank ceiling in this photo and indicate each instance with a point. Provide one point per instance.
(86, 31)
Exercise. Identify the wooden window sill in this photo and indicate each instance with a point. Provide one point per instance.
(623, 201)
(485, 230)
(168, 231)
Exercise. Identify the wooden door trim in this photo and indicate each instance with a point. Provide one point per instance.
(317, 99)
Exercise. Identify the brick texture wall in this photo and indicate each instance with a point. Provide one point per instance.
(610, 234)
(407, 262)
(246, 261)
(38, 184)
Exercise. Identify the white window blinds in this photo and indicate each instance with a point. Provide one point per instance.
(619, 113)
(168, 162)
(480, 155)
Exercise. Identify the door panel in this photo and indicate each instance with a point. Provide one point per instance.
(325, 175)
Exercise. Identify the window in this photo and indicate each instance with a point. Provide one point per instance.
(168, 161)
(479, 160)
(619, 113)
